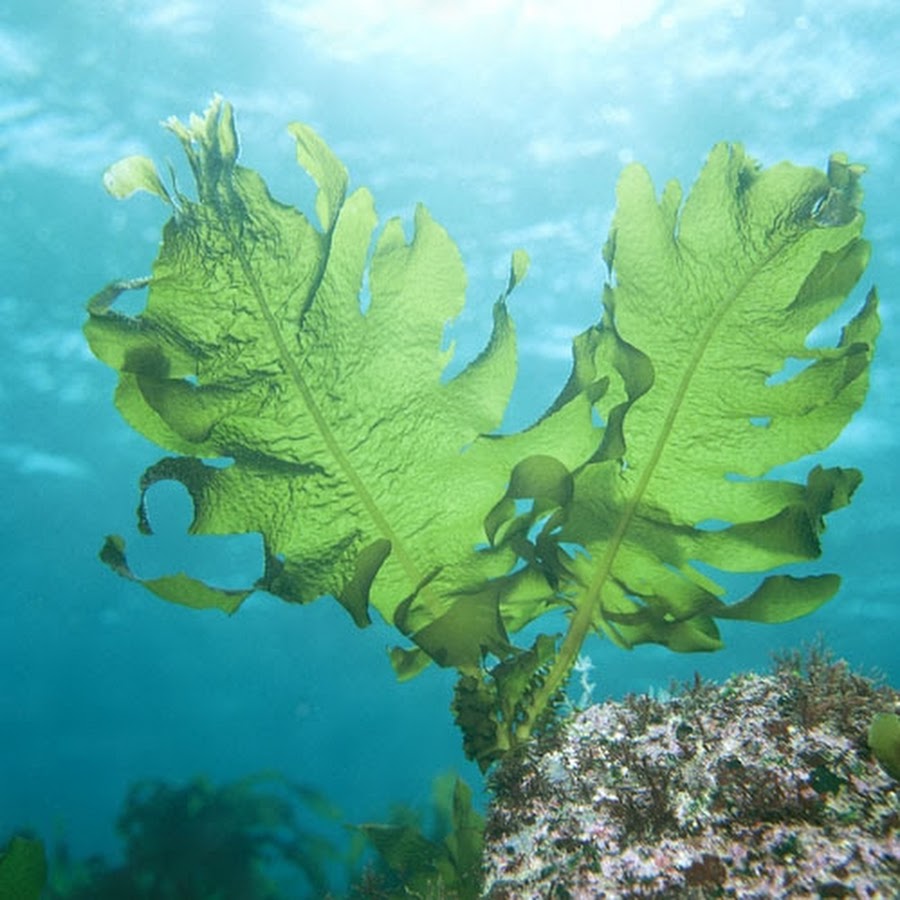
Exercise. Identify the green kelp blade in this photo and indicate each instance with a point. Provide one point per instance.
(331, 431)
(134, 173)
(884, 740)
(709, 304)
(327, 423)
(329, 174)
(718, 296)
(445, 863)
(179, 588)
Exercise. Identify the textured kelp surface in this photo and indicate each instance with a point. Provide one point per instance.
(325, 423)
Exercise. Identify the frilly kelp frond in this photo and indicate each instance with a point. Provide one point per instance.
(333, 431)
(708, 305)
(365, 471)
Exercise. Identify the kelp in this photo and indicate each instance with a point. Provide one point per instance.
(884, 741)
(23, 868)
(329, 426)
(446, 863)
(260, 837)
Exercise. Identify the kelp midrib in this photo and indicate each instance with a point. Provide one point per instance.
(591, 604)
(307, 397)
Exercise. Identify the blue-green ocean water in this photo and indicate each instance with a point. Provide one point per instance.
(510, 121)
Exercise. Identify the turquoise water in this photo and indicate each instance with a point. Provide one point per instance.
(510, 121)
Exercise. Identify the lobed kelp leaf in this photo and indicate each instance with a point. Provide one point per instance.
(371, 476)
(707, 306)
(364, 469)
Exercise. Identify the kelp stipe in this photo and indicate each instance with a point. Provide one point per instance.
(376, 481)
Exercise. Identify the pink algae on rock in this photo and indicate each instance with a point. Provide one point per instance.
(760, 787)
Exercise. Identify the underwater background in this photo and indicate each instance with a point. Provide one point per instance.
(510, 120)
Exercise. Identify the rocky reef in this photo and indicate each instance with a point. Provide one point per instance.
(760, 787)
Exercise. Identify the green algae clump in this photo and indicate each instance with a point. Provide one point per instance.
(884, 741)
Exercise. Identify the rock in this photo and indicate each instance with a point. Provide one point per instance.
(757, 788)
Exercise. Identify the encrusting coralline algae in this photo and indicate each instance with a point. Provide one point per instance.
(761, 787)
